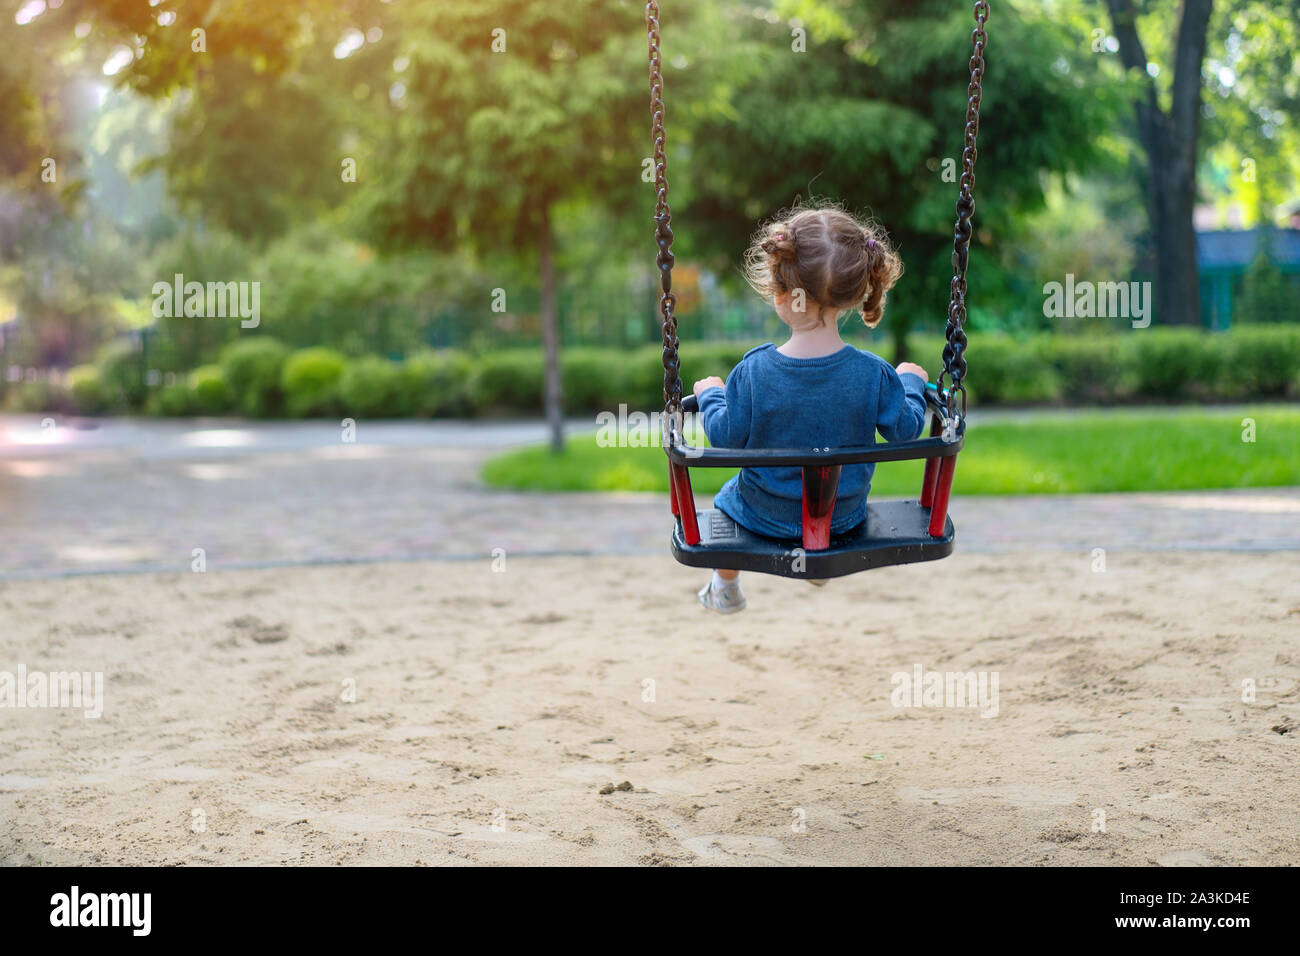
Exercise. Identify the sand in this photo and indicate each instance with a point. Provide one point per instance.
(493, 707)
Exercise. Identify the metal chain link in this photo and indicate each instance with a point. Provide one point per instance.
(954, 352)
(663, 225)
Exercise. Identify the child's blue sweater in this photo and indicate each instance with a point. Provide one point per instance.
(835, 401)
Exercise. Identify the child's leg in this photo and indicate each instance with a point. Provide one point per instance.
(722, 593)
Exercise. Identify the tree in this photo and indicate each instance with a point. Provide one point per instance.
(505, 113)
(68, 261)
(258, 98)
(1169, 137)
(1252, 103)
(872, 115)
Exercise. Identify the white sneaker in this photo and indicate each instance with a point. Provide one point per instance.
(725, 600)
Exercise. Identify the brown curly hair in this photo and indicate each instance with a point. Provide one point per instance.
(839, 261)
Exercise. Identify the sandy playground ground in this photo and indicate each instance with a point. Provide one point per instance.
(493, 708)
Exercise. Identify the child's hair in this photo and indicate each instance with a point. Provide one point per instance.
(837, 260)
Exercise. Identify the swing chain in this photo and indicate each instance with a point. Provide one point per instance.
(663, 229)
(954, 351)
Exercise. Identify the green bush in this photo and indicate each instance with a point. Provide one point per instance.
(1176, 364)
(643, 379)
(594, 379)
(1260, 361)
(1006, 371)
(172, 401)
(310, 381)
(702, 359)
(85, 390)
(252, 369)
(374, 387)
(207, 391)
(508, 381)
(121, 376)
(639, 380)
(438, 382)
(1162, 364)
(29, 397)
(1091, 368)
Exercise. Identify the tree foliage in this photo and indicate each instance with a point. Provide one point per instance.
(869, 114)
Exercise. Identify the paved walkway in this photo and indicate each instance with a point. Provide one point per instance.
(137, 495)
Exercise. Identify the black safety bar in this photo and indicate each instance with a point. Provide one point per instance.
(680, 453)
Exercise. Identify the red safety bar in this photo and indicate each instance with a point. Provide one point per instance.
(820, 483)
(942, 489)
(931, 468)
(684, 502)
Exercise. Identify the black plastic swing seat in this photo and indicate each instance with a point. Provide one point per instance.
(894, 532)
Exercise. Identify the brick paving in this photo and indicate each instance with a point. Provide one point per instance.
(132, 495)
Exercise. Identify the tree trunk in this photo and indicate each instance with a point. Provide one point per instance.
(554, 390)
(1169, 140)
(898, 332)
(1177, 288)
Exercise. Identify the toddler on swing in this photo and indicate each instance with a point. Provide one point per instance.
(814, 391)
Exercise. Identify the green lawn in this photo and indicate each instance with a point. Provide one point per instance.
(1086, 452)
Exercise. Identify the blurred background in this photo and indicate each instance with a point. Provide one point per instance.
(421, 188)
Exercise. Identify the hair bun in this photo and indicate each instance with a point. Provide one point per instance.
(779, 243)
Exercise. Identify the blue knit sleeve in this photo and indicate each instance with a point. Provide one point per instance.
(900, 412)
(725, 414)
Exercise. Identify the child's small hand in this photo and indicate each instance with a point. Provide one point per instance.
(904, 367)
(711, 382)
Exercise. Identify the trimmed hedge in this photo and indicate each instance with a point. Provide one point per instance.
(39, 396)
(438, 382)
(1262, 361)
(208, 391)
(122, 387)
(1175, 365)
(86, 391)
(310, 382)
(259, 377)
(252, 369)
(507, 382)
(591, 377)
(1090, 369)
(1004, 371)
(172, 401)
(373, 387)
